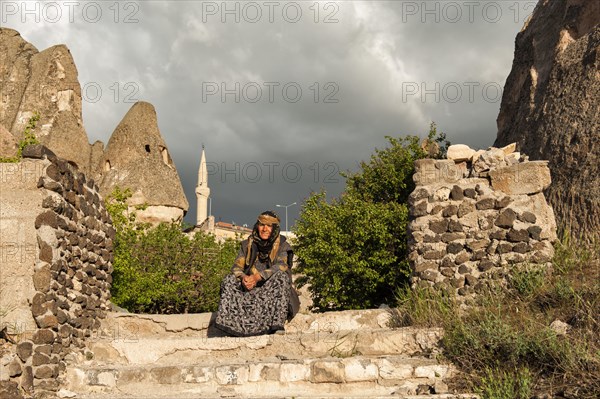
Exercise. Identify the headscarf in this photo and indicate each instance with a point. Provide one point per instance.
(267, 249)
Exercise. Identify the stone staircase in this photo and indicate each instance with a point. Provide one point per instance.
(337, 354)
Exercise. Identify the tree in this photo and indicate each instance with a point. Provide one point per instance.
(353, 251)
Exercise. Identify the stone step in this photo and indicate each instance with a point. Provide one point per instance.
(358, 376)
(288, 346)
(225, 394)
(291, 346)
(135, 326)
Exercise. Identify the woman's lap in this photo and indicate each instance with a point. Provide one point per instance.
(255, 312)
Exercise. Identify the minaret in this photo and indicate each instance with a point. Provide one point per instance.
(202, 191)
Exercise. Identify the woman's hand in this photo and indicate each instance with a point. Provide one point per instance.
(249, 282)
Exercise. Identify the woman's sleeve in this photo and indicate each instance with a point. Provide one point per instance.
(239, 264)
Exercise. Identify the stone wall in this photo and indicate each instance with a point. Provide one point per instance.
(56, 239)
(476, 217)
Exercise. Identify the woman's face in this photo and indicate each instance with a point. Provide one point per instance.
(264, 231)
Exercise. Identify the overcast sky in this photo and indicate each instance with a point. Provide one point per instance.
(283, 94)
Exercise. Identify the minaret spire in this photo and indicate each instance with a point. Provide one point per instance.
(202, 190)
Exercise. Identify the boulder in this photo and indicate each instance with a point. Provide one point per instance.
(460, 152)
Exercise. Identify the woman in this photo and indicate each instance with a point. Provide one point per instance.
(257, 297)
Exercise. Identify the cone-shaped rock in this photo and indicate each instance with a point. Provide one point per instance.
(43, 82)
(137, 158)
(551, 105)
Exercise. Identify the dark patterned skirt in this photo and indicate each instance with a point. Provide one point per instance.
(262, 310)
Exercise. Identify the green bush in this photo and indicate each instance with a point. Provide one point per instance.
(352, 251)
(160, 269)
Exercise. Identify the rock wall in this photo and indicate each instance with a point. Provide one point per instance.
(476, 217)
(56, 238)
(551, 106)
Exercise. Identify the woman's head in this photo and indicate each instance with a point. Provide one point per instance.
(267, 225)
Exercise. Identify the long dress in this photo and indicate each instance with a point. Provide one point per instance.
(265, 308)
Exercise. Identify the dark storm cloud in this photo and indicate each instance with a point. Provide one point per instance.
(377, 68)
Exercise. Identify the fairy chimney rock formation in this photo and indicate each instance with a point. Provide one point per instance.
(45, 83)
(551, 106)
(137, 158)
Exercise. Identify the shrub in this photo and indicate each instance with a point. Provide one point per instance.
(500, 384)
(352, 251)
(160, 269)
(506, 346)
(29, 138)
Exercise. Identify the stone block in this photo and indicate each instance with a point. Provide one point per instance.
(431, 171)
(41, 279)
(196, 374)
(232, 375)
(454, 226)
(394, 369)
(46, 371)
(450, 210)
(27, 378)
(434, 371)
(39, 359)
(504, 248)
(47, 321)
(24, 350)
(14, 368)
(420, 209)
(167, 375)
(46, 218)
(535, 232)
(434, 255)
(465, 208)
(263, 372)
(44, 336)
(486, 203)
(438, 226)
(456, 194)
(506, 218)
(515, 235)
(422, 266)
(454, 248)
(38, 151)
(291, 372)
(460, 152)
(327, 371)
(485, 265)
(360, 370)
(10, 390)
(522, 178)
(527, 217)
(449, 237)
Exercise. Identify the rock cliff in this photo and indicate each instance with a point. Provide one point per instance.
(551, 106)
(43, 82)
(136, 156)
